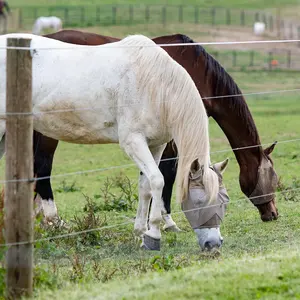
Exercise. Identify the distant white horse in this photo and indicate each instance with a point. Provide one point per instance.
(134, 93)
(259, 28)
(43, 23)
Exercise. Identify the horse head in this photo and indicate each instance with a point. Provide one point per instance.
(205, 215)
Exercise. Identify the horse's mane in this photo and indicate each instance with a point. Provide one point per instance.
(224, 85)
(165, 83)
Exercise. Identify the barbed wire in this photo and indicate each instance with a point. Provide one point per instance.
(71, 234)
(137, 103)
(132, 164)
(68, 46)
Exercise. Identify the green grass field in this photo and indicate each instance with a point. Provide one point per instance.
(257, 261)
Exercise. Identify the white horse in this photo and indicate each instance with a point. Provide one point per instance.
(259, 28)
(42, 23)
(134, 93)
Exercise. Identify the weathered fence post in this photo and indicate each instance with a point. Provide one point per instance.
(289, 59)
(228, 17)
(282, 29)
(20, 18)
(196, 14)
(180, 14)
(213, 16)
(270, 60)
(164, 16)
(131, 14)
(233, 58)
(98, 11)
(291, 31)
(251, 63)
(82, 15)
(271, 24)
(242, 18)
(19, 165)
(66, 15)
(147, 13)
(298, 29)
(278, 23)
(114, 15)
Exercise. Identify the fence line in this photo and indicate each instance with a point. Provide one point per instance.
(71, 234)
(132, 165)
(100, 108)
(69, 46)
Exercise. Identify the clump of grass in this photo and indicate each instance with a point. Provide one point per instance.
(290, 192)
(124, 201)
(68, 188)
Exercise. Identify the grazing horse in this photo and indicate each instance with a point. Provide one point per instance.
(134, 93)
(43, 23)
(223, 101)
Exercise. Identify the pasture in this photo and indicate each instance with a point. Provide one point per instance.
(257, 261)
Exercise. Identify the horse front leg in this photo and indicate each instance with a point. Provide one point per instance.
(136, 147)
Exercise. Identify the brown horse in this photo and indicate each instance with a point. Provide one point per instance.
(257, 175)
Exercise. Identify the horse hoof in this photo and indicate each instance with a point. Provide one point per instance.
(150, 243)
(173, 228)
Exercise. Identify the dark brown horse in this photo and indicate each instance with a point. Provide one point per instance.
(257, 176)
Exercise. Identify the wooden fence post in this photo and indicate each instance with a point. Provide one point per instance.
(271, 23)
(213, 16)
(82, 15)
(66, 15)
(147, 13)
(289, 59)
(131, 16)
(98, 11)
(114, 15)
(180, 14)
(196, 14)
(164, 15)
(243, 18)
(228, 17)
(19, 165)
(251, 63)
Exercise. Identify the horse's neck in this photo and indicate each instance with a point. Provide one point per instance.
(241, 132)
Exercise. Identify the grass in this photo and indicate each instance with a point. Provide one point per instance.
(109, 264)
(261, 277)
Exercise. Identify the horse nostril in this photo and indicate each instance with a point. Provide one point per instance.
(208, 245)
(275, 215)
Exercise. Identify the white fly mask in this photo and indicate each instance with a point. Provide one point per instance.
(205, 217)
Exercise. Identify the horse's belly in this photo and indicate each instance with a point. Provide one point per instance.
(76, 130)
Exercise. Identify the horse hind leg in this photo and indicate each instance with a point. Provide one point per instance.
(2, 146)
(168, 170)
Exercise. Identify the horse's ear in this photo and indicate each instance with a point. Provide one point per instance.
(270, 149)
(220, 167)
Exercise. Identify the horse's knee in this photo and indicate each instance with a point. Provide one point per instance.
(157, 182)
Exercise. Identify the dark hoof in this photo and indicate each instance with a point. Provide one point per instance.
(173, 228)
(150, 243)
